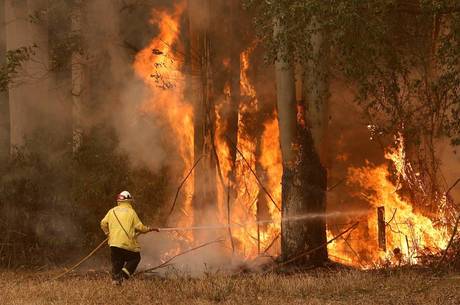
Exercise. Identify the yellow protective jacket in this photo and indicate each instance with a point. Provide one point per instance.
(123, 231)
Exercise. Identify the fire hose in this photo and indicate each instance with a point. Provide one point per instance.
(166, 229)
(104, 243)
(204, 227)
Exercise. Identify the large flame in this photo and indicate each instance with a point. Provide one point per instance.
(251, 238)
(157, 65)
(162, 72)
(409, 233)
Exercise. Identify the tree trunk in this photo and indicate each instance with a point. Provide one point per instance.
(316, 94)
(17, 36)
(287, 120)
(78, 79)
(28, 99)
(304, 178)
(235, 94)
(4, 101)
(205, 193)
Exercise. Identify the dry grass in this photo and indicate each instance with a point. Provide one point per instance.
(341, 287)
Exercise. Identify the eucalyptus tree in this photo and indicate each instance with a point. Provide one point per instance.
(304, 176)
(400, 57)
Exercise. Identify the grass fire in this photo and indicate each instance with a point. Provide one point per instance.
(229, 151)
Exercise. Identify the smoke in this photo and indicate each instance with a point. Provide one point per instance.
(349, 146)
(139, 136)
(114, 33)
(31, 91)
(143, 131)
(40, 180)
(159, 247)
(123, 95)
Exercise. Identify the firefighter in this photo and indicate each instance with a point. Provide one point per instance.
(122, 225)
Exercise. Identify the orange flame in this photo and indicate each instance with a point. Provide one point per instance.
(161, 72)
(407, 229)
(409, 234)
(251, 238)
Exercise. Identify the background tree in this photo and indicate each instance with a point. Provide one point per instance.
(399, 57)
(50, 188)
(4, 101)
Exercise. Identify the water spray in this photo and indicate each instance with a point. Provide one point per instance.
(221, 226)
(264, 222)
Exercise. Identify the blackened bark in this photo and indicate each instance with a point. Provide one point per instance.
(303, 196)
(235, 94)
(304, 178)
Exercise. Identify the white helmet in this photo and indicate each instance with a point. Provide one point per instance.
(124, 196)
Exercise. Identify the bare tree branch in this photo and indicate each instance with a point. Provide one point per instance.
(351, 228)
(454, 233)
(255, 175)
(182, 184)
(166, 263)
(453, 185)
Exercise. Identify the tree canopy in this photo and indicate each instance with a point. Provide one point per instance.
(400, 57)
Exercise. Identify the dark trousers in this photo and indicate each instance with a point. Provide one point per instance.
(123, 259)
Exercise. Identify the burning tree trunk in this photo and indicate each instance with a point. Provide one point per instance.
(262, 209)
(4, 101)
(235, 95)
(226, 74)
(317, 105)
(204, 196)
(304, 179)
(231, 114)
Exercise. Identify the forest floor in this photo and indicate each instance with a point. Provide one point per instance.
(319, 287)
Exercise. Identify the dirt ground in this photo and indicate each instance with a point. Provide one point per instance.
(333, 287)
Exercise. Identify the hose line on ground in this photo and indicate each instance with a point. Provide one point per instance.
(104, 242)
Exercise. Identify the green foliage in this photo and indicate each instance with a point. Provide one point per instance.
(63, 42)
(14, 59)
(402, 57)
